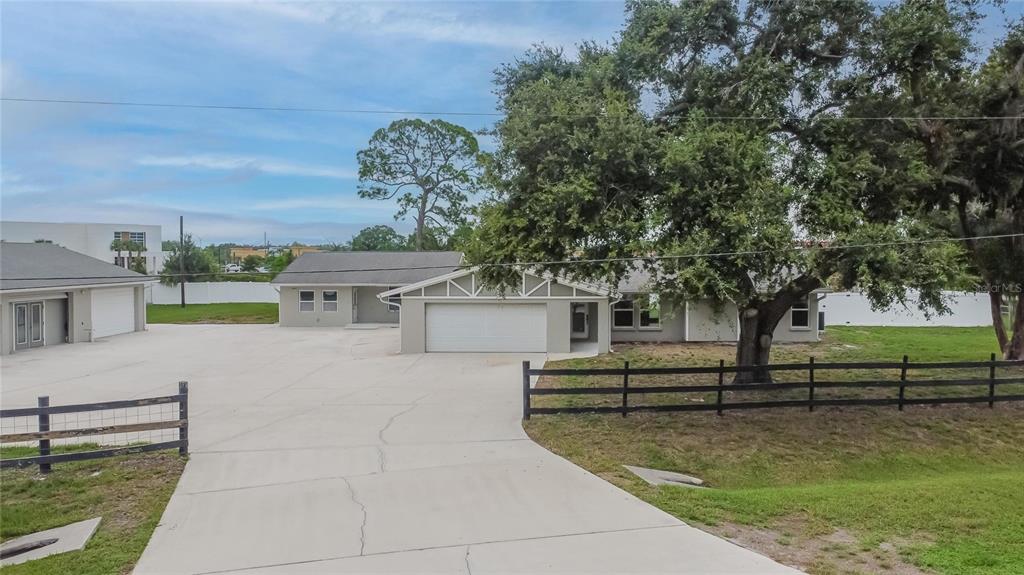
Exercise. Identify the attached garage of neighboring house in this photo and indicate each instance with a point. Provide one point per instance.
(456, 313)
(50, 295)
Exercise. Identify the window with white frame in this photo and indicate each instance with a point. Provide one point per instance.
(800, 314)
(306, 299)
(330, 300)
(650, 312)
(394, 302)
(622, 314)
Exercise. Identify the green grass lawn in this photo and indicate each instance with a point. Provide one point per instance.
(213, 313)
(854, 490)
(128, 492)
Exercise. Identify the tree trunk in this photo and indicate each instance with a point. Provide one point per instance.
(995, 298)
(1015, 347)
(421, 220)
(754, 346)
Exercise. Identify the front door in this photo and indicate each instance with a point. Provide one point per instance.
(580, 321)
(28, 325)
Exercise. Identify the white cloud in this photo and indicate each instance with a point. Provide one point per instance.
(321, 202)
(422, 21)
(247, 163)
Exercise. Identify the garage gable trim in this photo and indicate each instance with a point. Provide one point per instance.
(540, 287)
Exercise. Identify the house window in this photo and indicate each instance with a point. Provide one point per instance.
(622, 314)
(394, 302)
(650, 313)
(330, 301)
(306, 301)
(800, 314)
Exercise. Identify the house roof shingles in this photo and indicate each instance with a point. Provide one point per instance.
(368, 268)
(43, 266)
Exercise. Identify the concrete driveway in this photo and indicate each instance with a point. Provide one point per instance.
(323, 451)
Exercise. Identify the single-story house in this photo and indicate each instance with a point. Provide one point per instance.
(454, 312)
(50, 295)
(637, 316)
(340, 288)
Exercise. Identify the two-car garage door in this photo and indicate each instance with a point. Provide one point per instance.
(486, 327)
(113, 311)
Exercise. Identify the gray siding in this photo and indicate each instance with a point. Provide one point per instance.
(703, 323)
(559, 326)
(290, 316)
(66, 319)
(785, 333)
(369, 309)
(414, 326)
(55, 320)
(673, 328)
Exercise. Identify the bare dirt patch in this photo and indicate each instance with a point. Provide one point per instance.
(795, 542)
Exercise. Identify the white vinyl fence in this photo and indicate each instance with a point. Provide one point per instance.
(853, 308)
(213, 292)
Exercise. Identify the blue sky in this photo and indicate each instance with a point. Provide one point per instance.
(237, 174)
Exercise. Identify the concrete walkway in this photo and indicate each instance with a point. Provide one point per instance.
(323, 451)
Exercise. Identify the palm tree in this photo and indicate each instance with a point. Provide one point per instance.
(136, 263)
(118, 246)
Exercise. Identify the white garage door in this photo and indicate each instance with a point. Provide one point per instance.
(486, 327)
(113, 311)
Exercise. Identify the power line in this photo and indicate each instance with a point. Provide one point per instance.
(652, 258)
(478, 114)
(246, 108)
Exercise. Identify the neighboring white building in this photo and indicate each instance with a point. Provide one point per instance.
(854, 308)
(90, 239)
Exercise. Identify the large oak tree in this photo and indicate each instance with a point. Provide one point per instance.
(968, 122)
(726, 138)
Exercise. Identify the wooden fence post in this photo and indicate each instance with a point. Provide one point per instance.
(44, 425)
(992, 381)
(721, 384)
(810, 384)
(625, 390)
(183, 417)
(526, 390)
(903, 382)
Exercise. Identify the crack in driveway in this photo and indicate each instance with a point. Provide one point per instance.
(380, 434)
(362, 526)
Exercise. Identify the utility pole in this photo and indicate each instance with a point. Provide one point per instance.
(181, 257)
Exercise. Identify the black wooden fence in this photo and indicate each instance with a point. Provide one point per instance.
(899, 386)
(44, 434)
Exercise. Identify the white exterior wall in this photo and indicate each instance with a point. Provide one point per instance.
(90, 239)
(853, 308)
(213, 292)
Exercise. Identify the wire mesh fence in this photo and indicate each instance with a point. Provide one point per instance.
(48, 433)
